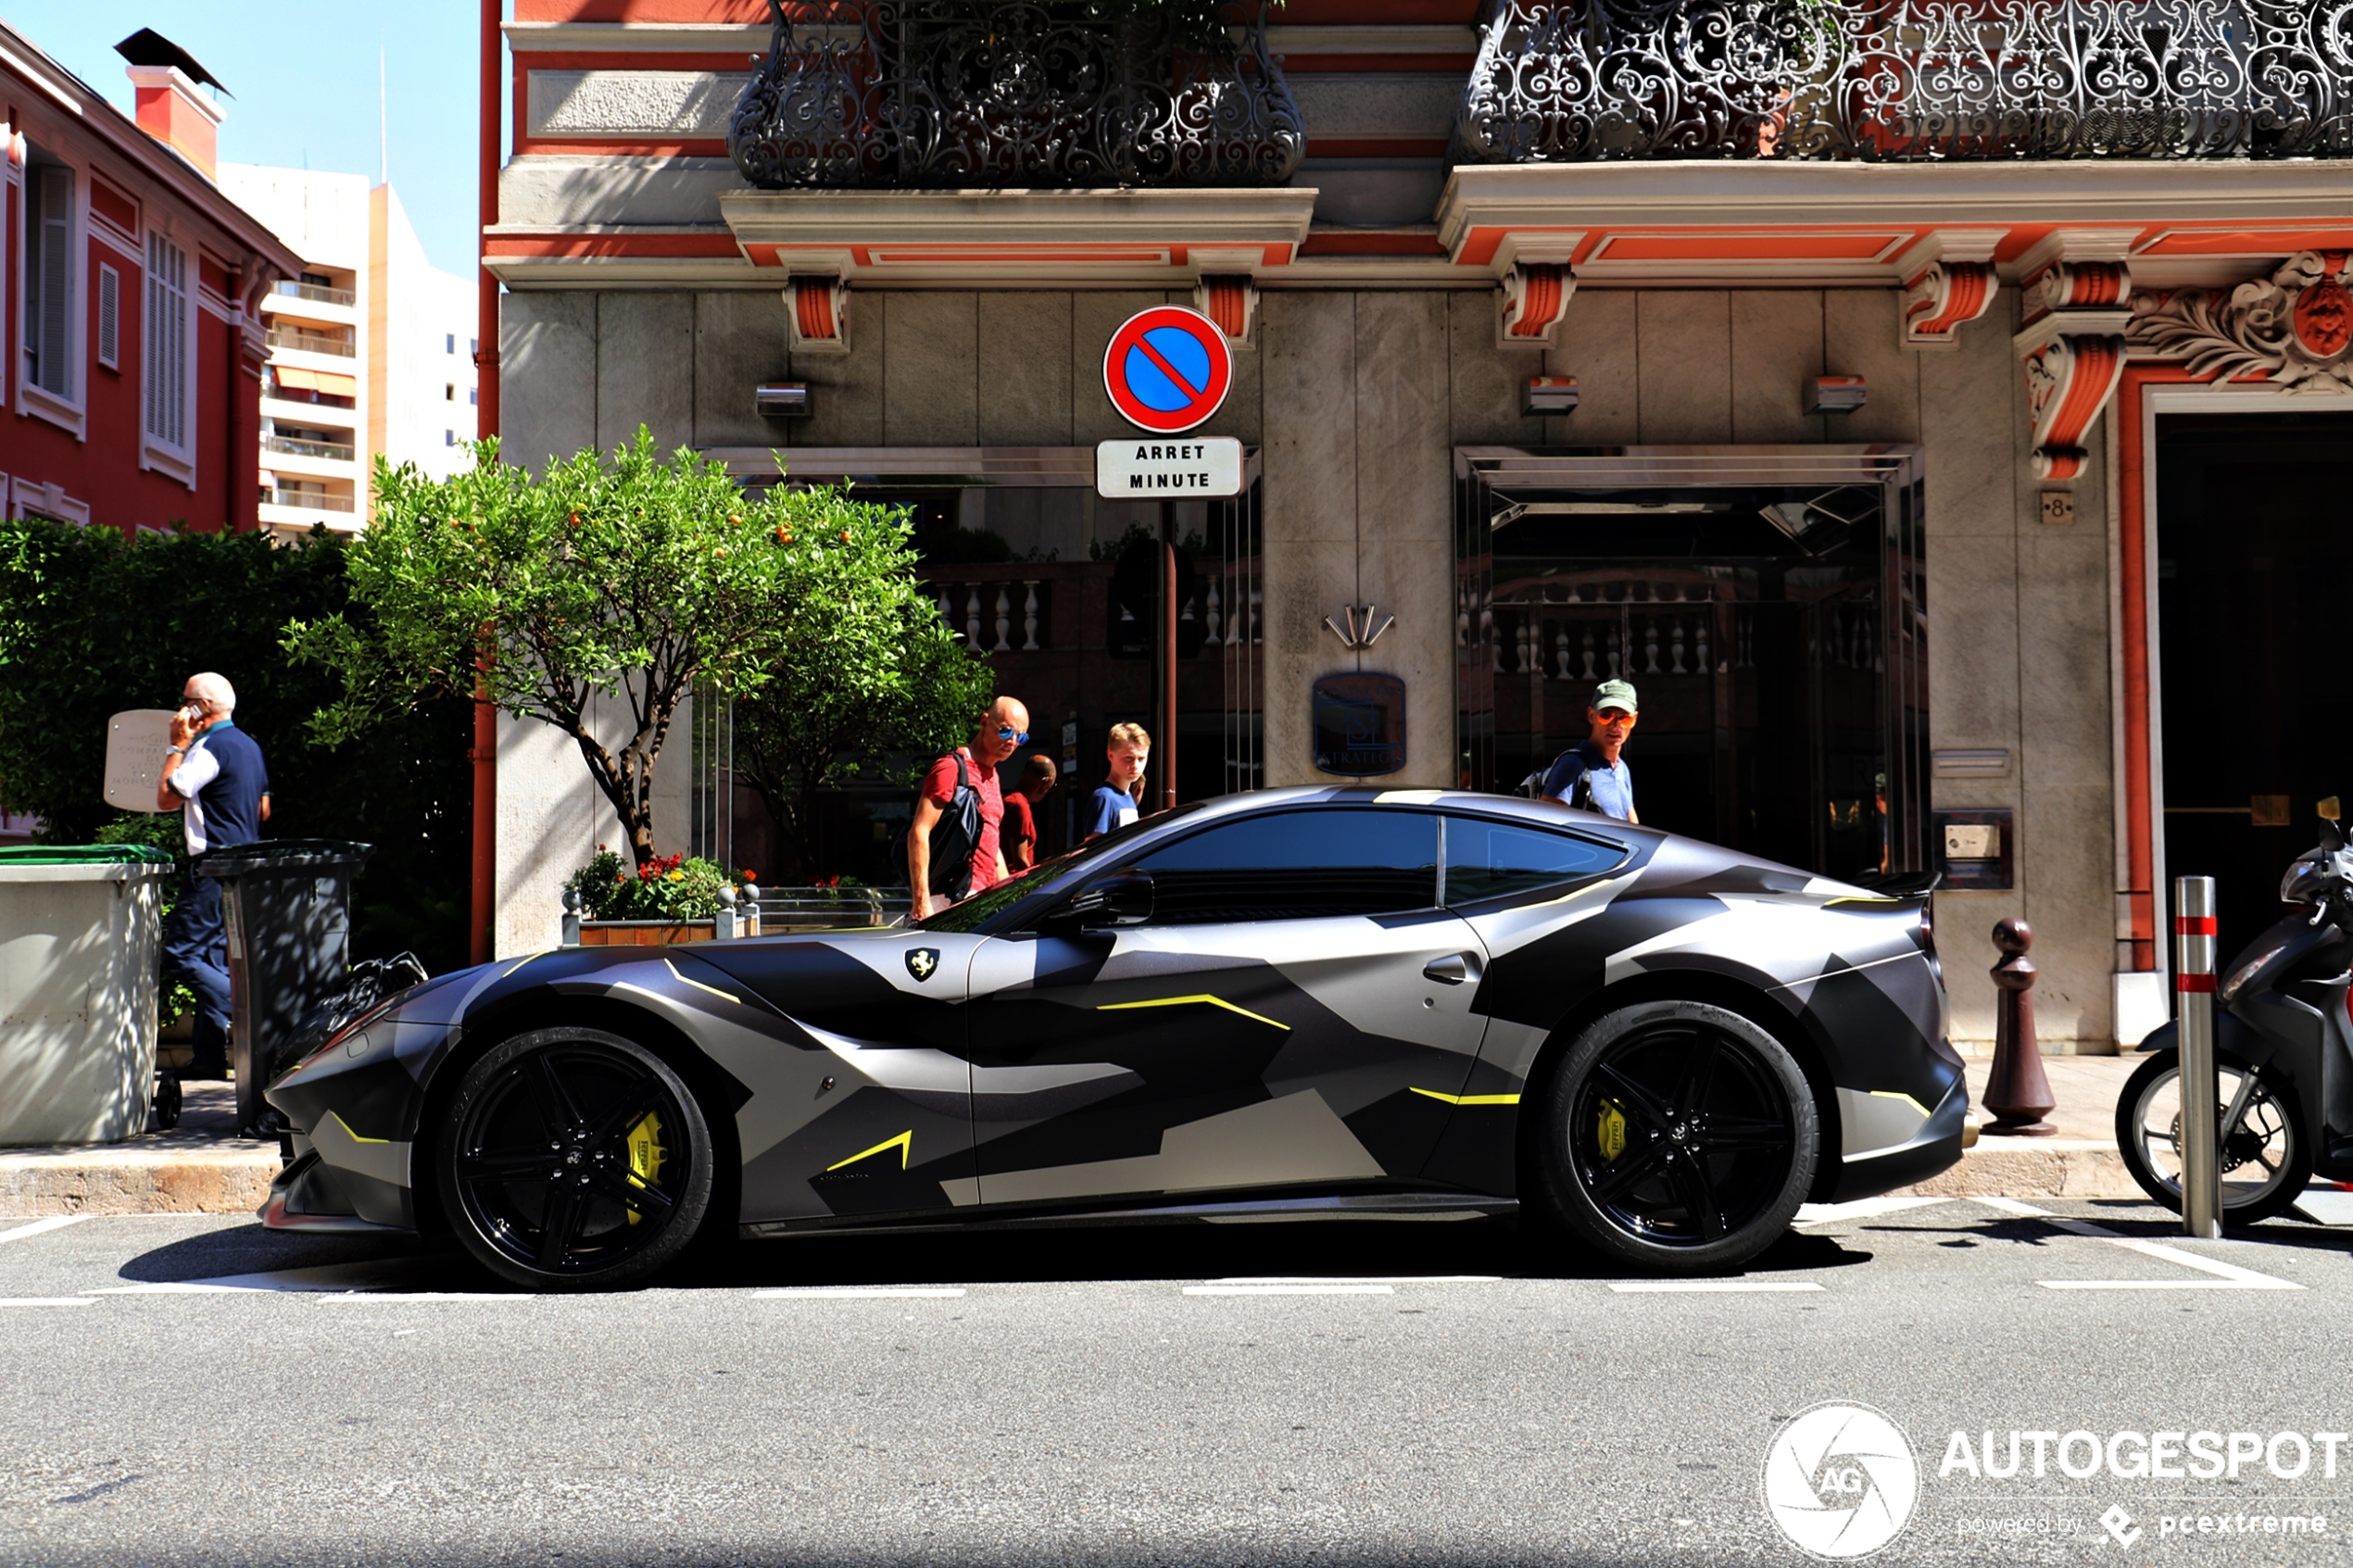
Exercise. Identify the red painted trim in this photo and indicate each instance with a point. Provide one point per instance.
(1342, 242)
(529, 59)
(2194, 984)
(2193, 926)
(481, 892)
(681, 246)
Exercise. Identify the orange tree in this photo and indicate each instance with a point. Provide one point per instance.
(632, 577)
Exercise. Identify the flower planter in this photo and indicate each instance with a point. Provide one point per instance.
(644, 933)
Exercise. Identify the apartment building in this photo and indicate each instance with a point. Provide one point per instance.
(130, 293)
(370, 347)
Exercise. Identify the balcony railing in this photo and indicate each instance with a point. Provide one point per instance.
(1908, 81)
(318, 293)
(311, 342)
(296, 448)
(1025, 93)
(308, 500)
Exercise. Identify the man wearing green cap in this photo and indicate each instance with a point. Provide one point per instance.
(1590, 774)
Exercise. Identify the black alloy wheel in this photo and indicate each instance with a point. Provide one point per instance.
(1678, 1137)
(575, 1160)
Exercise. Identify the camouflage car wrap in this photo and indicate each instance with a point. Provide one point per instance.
(1018, 1068)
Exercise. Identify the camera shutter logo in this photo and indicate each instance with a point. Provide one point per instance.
(1840, 1481)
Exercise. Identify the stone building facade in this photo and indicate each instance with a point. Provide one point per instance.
(2018, 327)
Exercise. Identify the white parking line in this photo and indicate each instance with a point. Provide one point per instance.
(1709, 1286)
(1319, 1289)
(369, 1297)
(43, 1227)
(2228, 1277)
(849, 1293)
(1860, 1209)
(44, 1301)
(1357, 1279)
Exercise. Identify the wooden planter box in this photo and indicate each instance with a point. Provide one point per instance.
(644, 933)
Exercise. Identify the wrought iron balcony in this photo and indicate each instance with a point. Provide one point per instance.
(1913, 81)
(960, 93)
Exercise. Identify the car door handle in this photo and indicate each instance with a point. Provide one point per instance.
(1451, 970)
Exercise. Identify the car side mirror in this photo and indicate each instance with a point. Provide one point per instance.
(1122, 898)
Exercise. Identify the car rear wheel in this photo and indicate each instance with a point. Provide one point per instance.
(575, 1160)
(1678, 1137)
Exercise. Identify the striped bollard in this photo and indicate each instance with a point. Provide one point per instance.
(2194, 1000)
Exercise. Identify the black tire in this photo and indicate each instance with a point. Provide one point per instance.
(1629, 1170)
(573, 1159)
(2266, 1160)
(164, 1109)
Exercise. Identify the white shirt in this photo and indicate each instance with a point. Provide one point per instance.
(199, 767)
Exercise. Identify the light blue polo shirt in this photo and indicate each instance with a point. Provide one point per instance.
(1611, 782)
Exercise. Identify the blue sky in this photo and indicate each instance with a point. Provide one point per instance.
(304, 76)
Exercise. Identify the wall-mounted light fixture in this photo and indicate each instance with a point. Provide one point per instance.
(1361, 633)
(782, 399)
(1548, 394)
(1836, 395)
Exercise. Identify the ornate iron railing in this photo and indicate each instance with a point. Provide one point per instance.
(1579, 81)
(993, 93)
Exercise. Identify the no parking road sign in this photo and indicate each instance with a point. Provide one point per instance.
(1167, 368)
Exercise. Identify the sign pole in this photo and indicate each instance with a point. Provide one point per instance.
(2193, 938)
(1166, 717)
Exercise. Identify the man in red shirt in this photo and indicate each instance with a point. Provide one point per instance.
(1019, 834)
(1003, 732)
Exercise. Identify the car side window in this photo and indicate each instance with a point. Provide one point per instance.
(1297, 865)
(1491, 859)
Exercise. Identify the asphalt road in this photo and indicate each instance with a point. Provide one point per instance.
(1439, 1393)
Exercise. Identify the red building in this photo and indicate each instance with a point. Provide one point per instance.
(129, 296)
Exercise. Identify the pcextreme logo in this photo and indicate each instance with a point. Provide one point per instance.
(1840, 1481)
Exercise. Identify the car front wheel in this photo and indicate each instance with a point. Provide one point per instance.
(575, 1160)
(1678, 1137)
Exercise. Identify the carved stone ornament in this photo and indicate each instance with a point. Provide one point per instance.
(817, 315)
(2294, 329)
(2069, 381)
(1943, 299)
(1230, 299)
(1530, 304)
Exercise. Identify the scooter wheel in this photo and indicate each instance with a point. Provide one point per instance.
(2266, 1160)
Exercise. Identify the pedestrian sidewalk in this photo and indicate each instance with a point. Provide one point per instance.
(200, 1167)
(2079, 1160)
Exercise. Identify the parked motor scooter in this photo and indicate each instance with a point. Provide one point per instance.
(2282, 1055)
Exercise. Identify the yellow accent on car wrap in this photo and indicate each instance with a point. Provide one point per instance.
(699, 985)
(646, 1154)
(1611, 1134)
(904, 1143)
(348, 1133)
(1470, 1099)
(1180, 1001)
(1897, 1093)
(519, 962)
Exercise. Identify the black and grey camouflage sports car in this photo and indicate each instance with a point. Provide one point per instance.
(1299, 1002)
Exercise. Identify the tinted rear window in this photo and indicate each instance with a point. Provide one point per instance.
(1487, 859)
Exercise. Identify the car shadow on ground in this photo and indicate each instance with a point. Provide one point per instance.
(252, 1257)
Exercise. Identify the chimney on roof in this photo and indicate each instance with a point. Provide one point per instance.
(170, 106)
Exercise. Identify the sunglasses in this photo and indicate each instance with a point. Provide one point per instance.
(1019, 737)
(1613, 715)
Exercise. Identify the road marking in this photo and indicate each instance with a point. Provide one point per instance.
(44, 1301)
(851, 1294)
(2228, 1277)
(1860, 1209)
(1319, 1289)
(375, 1295)
(1708, 1286)
(1357, 1279)
(43, 1227)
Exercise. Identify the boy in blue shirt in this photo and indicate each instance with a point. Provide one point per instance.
(1127, 751)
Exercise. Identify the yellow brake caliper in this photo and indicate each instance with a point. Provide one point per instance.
(646, 1155)
(1611, 1132)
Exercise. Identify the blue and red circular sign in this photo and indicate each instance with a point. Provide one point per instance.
(1167, 368)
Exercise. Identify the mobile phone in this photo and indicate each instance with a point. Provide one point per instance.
(194, 713)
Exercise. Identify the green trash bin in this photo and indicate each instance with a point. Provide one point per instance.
(287, 905)
(80, 930)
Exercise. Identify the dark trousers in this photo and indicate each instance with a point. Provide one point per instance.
(195, 949)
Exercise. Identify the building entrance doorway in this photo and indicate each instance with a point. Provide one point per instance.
(1767, 604)
(2254, 551)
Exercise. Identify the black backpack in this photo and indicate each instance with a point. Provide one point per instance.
(955, 837)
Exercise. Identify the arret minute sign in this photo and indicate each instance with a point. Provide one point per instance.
(1141, 468)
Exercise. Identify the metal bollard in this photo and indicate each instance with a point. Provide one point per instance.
(569, 934)
(722, 925)
(2194, 1000)
(2017, 1089)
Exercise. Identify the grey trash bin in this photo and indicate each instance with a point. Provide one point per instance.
(287, 905)
(80, 928)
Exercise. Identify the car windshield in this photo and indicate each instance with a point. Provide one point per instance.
(981, 907)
